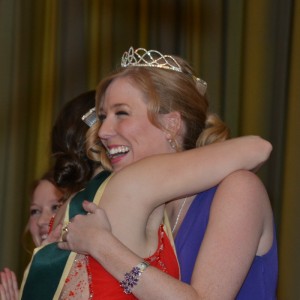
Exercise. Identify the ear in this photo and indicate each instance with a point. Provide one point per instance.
(172, 123)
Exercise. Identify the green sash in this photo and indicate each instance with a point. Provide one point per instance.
(47, 270)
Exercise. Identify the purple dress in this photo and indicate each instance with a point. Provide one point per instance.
(261, 281)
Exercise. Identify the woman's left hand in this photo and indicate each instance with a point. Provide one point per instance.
(80, 234)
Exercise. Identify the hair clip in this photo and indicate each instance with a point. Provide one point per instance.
(202, 84)
(90, 118)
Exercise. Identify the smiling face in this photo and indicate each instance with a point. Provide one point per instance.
(126, 131)
(45, 203)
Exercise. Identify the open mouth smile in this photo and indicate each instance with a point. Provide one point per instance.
(117, 151)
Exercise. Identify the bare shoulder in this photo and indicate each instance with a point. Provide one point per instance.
(244, 183)
(242, 175)
(242, 203)
(240, 226)
(243, 197)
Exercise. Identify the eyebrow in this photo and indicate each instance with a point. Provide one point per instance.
(117, 105)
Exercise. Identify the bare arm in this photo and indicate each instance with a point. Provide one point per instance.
(239, 228)
(244, 153)
(184, 173)
(138, 189)
(209, 164)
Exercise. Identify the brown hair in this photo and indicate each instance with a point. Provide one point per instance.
(72, 168)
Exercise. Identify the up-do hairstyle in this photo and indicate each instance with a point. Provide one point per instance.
(214, 130)
(72, 168)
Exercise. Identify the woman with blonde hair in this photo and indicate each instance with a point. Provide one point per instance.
(154, 122)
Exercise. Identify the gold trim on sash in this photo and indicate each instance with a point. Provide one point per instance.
(168, 230)
(26, 272)
(72, 255)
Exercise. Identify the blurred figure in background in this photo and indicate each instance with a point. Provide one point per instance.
(46, 198)
(71, 170)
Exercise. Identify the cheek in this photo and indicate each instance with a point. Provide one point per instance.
(33, 227)
(145, 138)
(140, 127)
(152, 140)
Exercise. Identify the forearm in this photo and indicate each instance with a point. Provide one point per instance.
(207, 166)
(200, 169)
(252, 151)
(153, 283)
(247, 152)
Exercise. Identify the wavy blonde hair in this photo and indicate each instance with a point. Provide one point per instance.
(166, 91)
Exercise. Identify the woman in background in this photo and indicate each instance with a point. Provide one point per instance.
(46, 198)
(72, 169)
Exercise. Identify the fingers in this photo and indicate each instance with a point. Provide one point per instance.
(12, 284)
(9, 286)
(15, 287)
(4, 281)
(90, 207)
(65, 232)
(2, 292)
(53, 236)
(63, 245)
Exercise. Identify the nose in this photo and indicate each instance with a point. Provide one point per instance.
(44, 218)
(106, 129)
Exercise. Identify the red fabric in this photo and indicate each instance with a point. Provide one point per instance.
(105, 286)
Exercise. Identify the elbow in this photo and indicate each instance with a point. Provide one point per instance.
(266, 149)
(262, 151)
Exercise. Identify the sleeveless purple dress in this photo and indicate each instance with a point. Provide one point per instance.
(261, 281)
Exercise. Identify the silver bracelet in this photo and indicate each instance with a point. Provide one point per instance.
(131, 279)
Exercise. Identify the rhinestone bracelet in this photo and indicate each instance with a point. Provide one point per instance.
(131, 279)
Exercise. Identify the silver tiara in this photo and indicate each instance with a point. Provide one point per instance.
(90, 118)
(140, 57)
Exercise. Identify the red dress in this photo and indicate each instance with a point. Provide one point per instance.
(105, 286)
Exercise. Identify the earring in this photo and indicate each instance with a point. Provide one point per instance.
(172, 143)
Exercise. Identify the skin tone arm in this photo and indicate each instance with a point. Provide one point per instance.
(179, 186)
(239, 228)
(184, 173)
(248, 153)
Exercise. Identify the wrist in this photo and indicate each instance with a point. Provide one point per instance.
(102, 245)
(131, 279)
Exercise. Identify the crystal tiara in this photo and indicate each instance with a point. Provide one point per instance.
(90, 118)
(140, 57)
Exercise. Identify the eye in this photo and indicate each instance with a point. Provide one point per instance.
(55, 207)
(34, 211)
(122, 113)
(101, 117)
